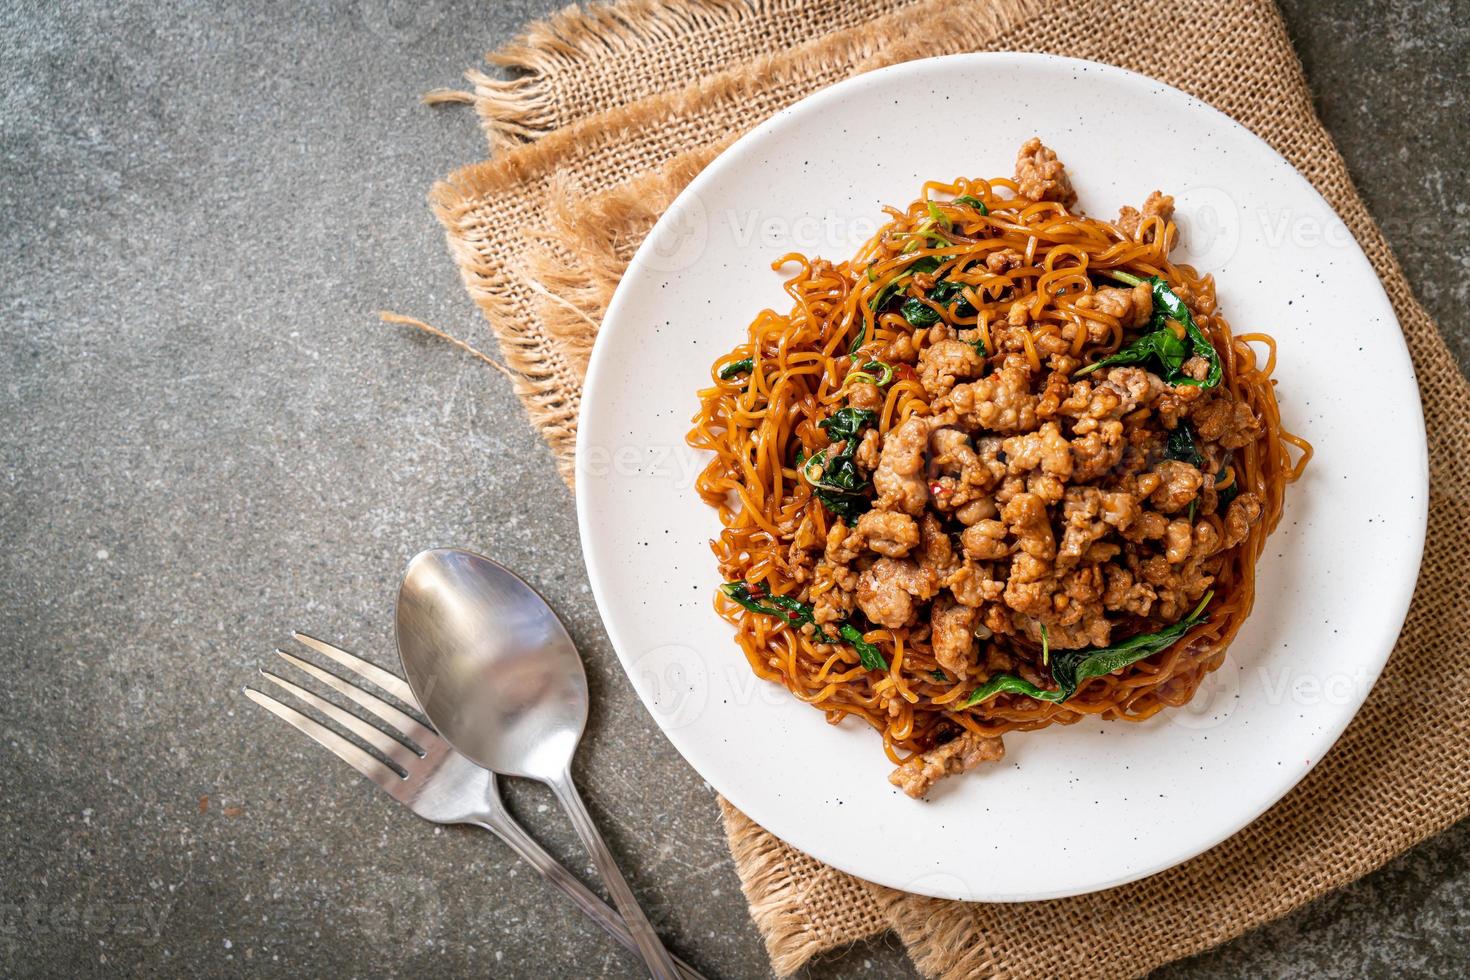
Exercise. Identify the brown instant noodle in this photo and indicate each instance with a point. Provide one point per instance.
(1026, 274)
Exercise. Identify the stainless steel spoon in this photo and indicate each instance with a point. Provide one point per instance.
(498, 676)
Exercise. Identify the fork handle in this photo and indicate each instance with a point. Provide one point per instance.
(596, 909)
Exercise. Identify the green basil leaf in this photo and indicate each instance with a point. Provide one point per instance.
(1170, 352)
(1224, 497)
(796, 613)
(848, 506)
(1169, 303)
(842, 487)
(1181, 446)
(791, 611)
(845, 423)
(1011, 684)
(924, 263)
(1161, 346)
(736, 368)
(871, 657)
(918, 313)
(799, 614)
(1069, 668)
(973, 202)
(946, 291)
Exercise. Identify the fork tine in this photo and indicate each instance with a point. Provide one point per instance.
(405, 723)
(395, 750)
(355, 757)
(393, 684)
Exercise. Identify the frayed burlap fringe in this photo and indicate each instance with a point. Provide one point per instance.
(802, 908)
(543, 269)
(594, 58)
(387, 316)
(943, 945)
(448, 96)
(531, 103)
(590, 242)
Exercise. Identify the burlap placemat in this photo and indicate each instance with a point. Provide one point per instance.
(622, 105)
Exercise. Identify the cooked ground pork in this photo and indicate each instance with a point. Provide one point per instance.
(1131, 307)
(1224, 420)
(1017, 490)
(944, 363)
(1041, 176)
(1015, 522)
(888, 533)
(899, 478)
(863, 395)
(952, 632)
(1031, 497)
(867, 454)
(889, 591)
(1157, 206)
(1002, 402)
(1179, 484)
(917, 776)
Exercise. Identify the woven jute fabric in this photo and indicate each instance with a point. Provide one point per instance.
(586, 61)
(622, 105)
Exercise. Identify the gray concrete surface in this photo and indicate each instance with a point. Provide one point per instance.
(209, 440)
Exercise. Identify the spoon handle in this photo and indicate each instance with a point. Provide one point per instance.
(660, 964)
(502, 826)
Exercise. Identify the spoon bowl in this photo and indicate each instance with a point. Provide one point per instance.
(498, 676)
(491, 663)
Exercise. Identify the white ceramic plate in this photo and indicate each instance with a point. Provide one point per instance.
(1071, 809)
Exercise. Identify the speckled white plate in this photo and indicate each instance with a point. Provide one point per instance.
(1074, 809)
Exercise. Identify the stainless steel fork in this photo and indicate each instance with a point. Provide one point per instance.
(436, 782)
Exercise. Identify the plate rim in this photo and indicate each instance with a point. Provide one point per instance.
(1398, 603)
